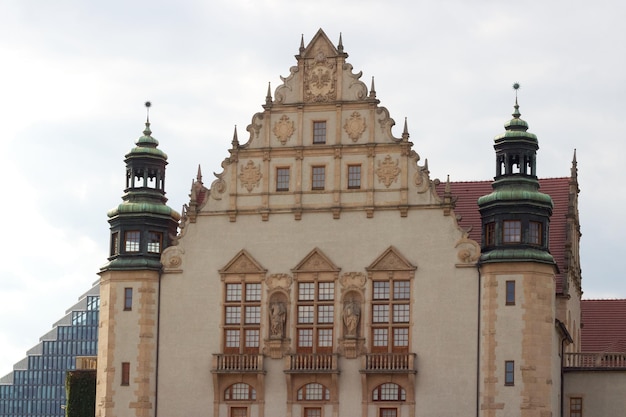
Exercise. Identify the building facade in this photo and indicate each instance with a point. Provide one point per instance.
(36, 386)
(324, 273)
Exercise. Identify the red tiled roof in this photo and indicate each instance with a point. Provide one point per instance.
(467, 194)
(604, 326)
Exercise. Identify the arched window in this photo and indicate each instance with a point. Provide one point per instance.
(389, 392)
(313, 392)
(240, 392)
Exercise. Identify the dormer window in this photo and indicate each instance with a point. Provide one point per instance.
(535, 233)
(512, 231)
(131, 240)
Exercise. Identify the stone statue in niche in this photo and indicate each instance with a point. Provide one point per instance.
(278, 316)
(351, 317)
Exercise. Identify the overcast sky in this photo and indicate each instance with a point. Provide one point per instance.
(75, 75)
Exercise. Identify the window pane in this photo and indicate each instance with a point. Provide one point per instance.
(401, 313)
(233, 292)
(381, 290)
(380, 313)
(510, 292)
(388, 412)
(253, 292)
(305, 314)
(305, 337)
(354, 176)
(253, 315)
(381, 337)
(282, 179)
(509, 372)
(233, 315)
(325, 313)
(312, 412)
(128, 299)
(252, 338)
(325, 337)
(306, 291)
(232, 338)
(319, 132)
(512, 231)
(318, 178)
(326, 291)
(401, 337)
(154, 242)
(401, 290)
(534, 233)
(131, 241)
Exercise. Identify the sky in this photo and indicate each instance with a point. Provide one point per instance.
(75, 75)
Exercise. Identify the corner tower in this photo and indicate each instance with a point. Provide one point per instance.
(519, 347)
(142, 226)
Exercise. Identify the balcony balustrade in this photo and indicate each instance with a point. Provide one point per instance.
(595, 360)
(311, 362)
(237, 363)
(389, 363)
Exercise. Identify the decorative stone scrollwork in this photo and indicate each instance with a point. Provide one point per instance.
(388, 171)
(354, 126)
(469, 251)
(218, 187)
(283, 129)
(172, 259)
(353, 280)
(319, 81)
(250, 175)
(279, 281)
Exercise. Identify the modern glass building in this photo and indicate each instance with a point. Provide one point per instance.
(36, 387)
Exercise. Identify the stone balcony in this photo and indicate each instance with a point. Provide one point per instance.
(595, 361)
(311, 363)
(237, 363)
(389, 363)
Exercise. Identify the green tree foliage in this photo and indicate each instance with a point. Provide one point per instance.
(80, 389)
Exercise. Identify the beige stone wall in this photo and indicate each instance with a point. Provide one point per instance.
(602, 392)
(524, 333)
(127, 336)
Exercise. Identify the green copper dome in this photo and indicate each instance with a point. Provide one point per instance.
(147, 146)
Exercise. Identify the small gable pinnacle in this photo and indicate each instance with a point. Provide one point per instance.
(199, 175)
(574, 169)
(235, 141)
(268, 97)
(302, 44)
(405, 132)
(372, 89)
(340, 46)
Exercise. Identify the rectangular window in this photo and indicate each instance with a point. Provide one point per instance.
(490, 234)
(512, 231)
(510, 293)
(128, 299)
(388, 412)
(155, 241)
(131, 240)
(282, 179)
(319, 132)
(534, 233)
(354, 177)
(318, 180)
(238, 411)
(312, 412)
(125, 373)
(576, 407)
(115, 243)
(509, 373)
(242, 318)
(391, 311)
(316, 311)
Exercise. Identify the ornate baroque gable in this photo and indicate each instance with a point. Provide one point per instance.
(322, 145)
